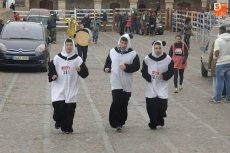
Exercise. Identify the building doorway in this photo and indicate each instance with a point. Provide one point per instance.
(141, 4)
(114, 5)
(47, 4)
(184, 6)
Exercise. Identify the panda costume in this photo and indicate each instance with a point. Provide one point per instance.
(121, 79)
(64, 87)
(157, 70)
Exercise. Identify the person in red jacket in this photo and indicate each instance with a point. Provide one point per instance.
(179, 54)
(16, 16)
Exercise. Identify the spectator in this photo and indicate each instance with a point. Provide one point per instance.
(212, 69)
(12, 6)
(222, 54)
(4, 3)
(123, 21)
(95, 26)
(52, 27)
(128, 24)
(104, 21)
(72, 26)
(187, 31)
(117, 21)
(152, 23)
(86, 21)
(1, 25)
(16, 16)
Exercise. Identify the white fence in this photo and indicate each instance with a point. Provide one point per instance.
(202, 22)
(80, 13)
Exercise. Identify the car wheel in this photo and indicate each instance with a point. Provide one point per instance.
(161, 33)
(204, 72)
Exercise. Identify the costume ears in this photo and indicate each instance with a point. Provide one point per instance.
(130, 35)
(162, 42)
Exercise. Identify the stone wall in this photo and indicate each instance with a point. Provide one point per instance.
(6, 14)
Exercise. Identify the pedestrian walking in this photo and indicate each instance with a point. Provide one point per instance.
(72, 26)
(121, 63)
(157, 69)
(95, 26)
(104, 21)
(222, 54)
(52, 27)
(179, 54)
(187, 31)
(82, 41)
(64, 72)
(86, 21)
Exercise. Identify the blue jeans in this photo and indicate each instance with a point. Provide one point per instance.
(222, 74)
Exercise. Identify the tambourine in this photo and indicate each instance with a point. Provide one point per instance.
(82, 38)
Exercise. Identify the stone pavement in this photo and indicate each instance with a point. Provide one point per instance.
(193, 125)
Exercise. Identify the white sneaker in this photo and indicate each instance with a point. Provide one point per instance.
(176, 90)
(180, 87)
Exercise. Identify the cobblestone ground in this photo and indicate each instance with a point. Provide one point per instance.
(193, 125)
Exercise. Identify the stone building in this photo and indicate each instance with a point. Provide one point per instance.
(110, 4)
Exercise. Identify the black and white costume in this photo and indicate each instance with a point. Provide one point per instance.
(157, 88)
(65, 88)
(121, 80)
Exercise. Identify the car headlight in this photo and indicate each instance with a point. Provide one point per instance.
(2, 47)
(40, 48)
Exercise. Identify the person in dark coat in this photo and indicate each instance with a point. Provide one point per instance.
(86, 21)
(52, 27)
(12, 6)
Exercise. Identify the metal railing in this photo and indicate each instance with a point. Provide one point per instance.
(80, 13)
(202, 22)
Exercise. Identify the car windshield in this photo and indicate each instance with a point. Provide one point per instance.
(38, 19)
(23, 31)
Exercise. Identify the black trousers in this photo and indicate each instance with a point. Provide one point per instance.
(63, 114)
(82, 52)
(181, 74)
(118, 110)
(156, 109)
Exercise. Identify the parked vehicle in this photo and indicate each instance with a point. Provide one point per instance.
(39, 15)
(206, 49)
(24, 44)
(159, 28)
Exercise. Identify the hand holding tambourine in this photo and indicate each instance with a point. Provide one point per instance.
(82, 38)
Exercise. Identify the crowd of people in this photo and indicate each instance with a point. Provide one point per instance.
(143, 22)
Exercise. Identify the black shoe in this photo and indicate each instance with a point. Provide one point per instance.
(57, 126)
(152, 127)
(68, 131)
(161, 122)
(119, 129)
